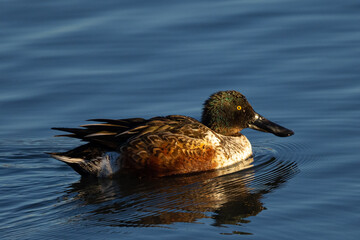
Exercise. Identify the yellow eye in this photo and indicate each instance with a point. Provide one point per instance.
(238, 108)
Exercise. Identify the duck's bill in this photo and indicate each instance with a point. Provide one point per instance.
(262, 124)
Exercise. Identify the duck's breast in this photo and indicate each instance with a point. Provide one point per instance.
(231, 150)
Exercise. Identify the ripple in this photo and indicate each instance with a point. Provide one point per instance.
(276, 162)
(298, 152)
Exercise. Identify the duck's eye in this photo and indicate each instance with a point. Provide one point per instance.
(238, 108)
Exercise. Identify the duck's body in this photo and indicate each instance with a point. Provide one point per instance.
(164, 146)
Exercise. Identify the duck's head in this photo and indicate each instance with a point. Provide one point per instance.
(228, 112)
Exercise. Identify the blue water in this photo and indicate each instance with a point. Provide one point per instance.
(62, 62)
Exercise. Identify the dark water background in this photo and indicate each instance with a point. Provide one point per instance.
(298, 63)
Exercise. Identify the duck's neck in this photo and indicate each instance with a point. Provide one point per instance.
(222, 129)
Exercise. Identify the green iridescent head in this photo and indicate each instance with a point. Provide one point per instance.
(228, 112)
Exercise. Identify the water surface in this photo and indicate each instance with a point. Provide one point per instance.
(297, 62)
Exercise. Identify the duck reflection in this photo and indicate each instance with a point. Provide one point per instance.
(227, 196)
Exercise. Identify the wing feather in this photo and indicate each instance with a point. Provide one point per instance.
(113, 133)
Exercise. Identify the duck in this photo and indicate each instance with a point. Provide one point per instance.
(168, 145)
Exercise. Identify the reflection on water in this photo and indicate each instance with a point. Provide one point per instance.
(227, 197)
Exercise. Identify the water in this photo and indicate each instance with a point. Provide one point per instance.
(296, 61)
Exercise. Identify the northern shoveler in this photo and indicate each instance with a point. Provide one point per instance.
(170, 145)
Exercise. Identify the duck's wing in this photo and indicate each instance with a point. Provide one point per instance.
(175, 124)
(113, 133)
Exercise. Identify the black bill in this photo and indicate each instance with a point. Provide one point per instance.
(262, 124)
